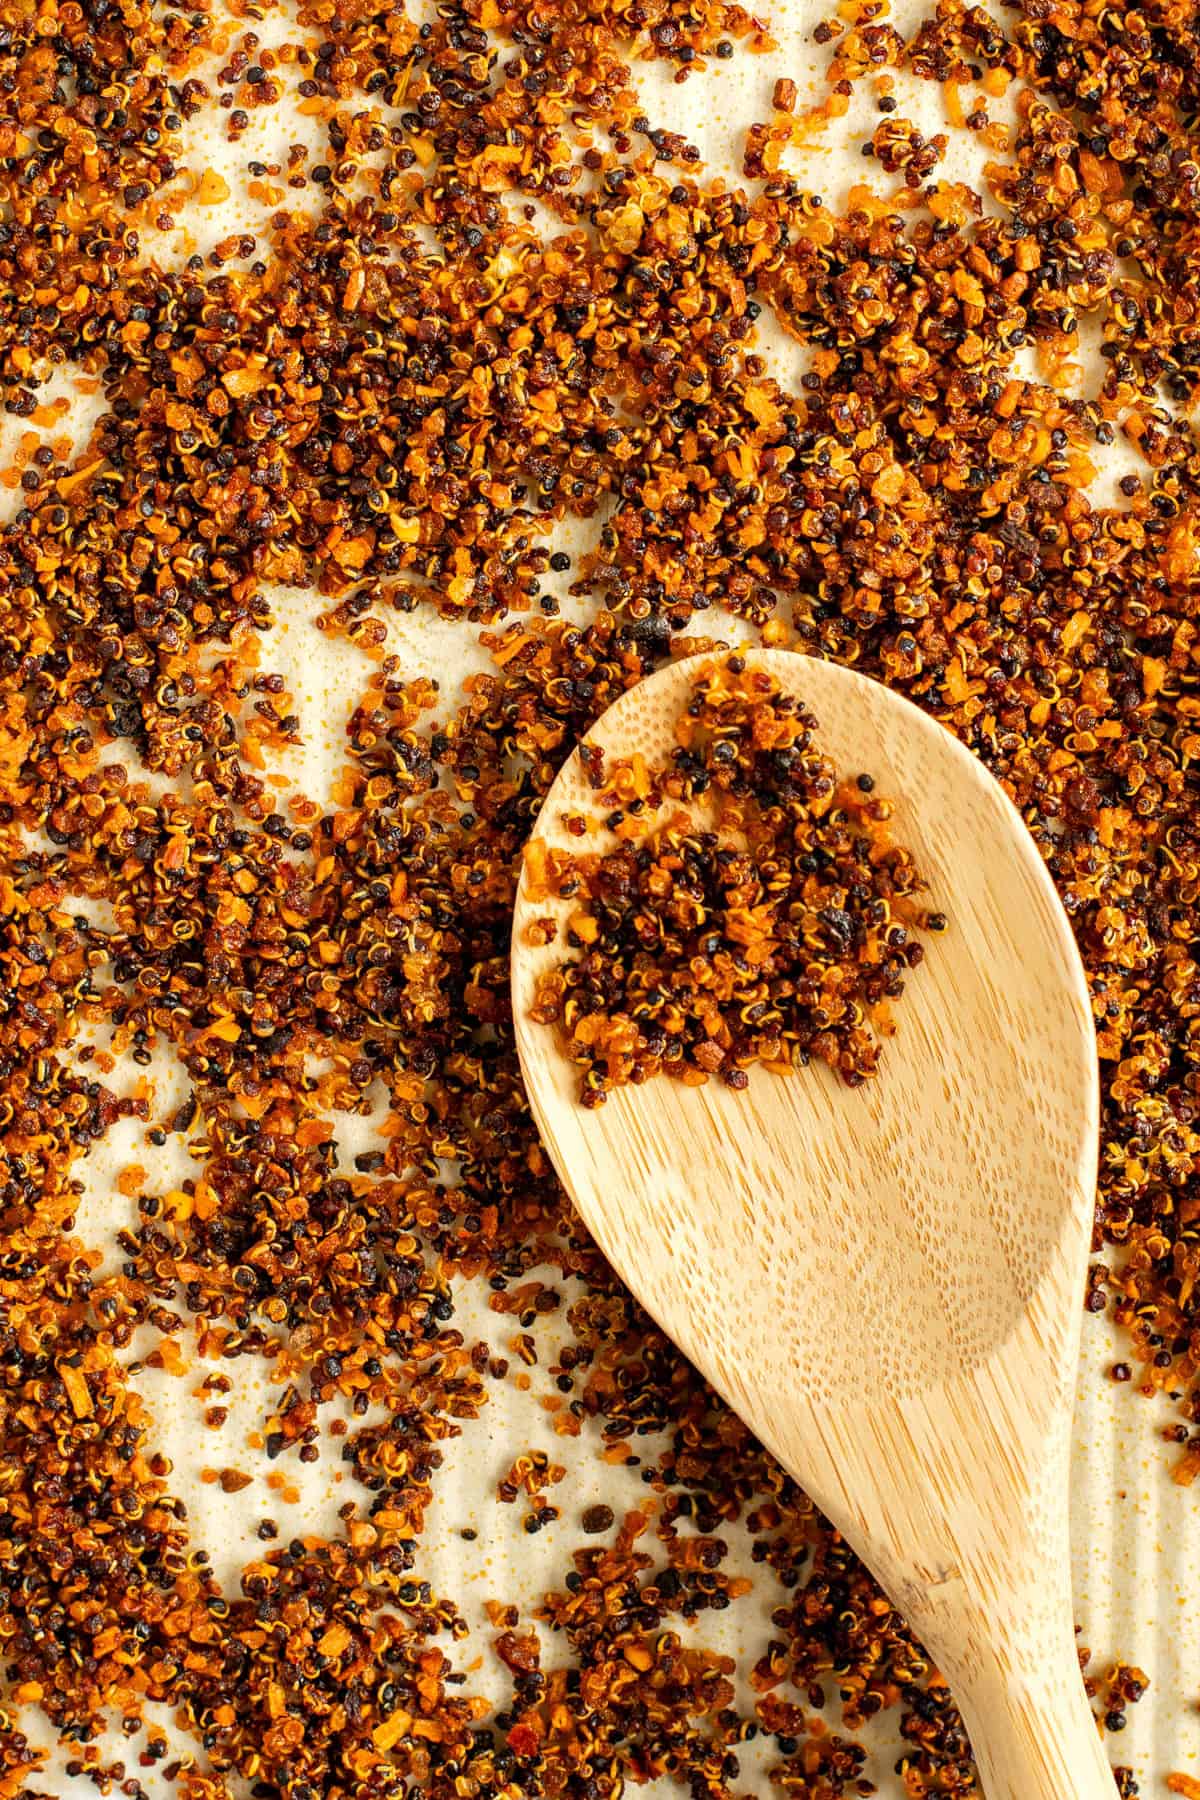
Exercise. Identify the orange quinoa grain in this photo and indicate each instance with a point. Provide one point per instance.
(391, 397)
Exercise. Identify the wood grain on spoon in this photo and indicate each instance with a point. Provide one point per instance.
(886, 1283)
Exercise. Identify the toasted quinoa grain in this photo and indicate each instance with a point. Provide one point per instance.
(750, 905)
(391, 399)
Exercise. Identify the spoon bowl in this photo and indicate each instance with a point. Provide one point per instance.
(885, 1282)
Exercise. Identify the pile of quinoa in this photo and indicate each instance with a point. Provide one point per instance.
(389, 399)
(749, 906)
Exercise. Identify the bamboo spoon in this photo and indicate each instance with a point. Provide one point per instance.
(887, 1283)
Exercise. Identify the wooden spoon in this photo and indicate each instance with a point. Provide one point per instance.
(886, 1283)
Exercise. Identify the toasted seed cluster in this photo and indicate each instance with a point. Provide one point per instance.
(388, 398)
(750, 906)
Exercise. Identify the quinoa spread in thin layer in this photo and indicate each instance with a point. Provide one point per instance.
(501, 300)
(750, 906)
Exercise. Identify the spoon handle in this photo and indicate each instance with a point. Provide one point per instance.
(1035, 1741)
(1029, 1748)
(1002, 1632)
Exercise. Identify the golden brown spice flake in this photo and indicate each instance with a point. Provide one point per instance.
(749, 906)
(403, 429)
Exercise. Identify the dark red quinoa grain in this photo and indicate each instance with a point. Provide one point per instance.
(399, 428)
(748, 904)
